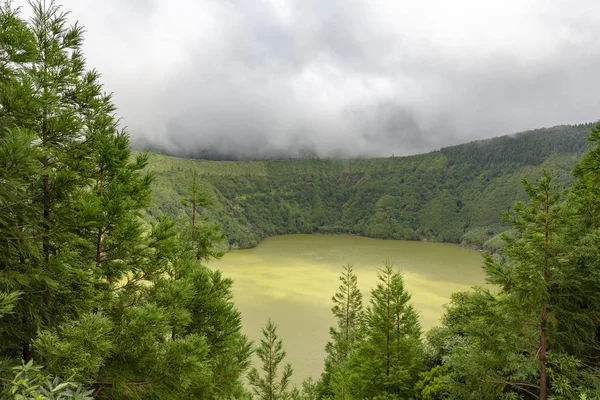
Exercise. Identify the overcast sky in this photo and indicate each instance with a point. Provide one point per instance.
(342, 77)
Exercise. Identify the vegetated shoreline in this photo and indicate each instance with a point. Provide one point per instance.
(453, 195)
(424, 239)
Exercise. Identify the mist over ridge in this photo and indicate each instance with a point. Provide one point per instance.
(255, 153)
(274, 78)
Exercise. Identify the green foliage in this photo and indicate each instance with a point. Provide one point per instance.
(309, 391)
(349, 315)
(205, 236)
(452, 195)
(537, 335)
(430, 385)
(7, 302)
(387, 362)
(582, 213)
(30, 383)
(271, 354)
(87, 286)
(488, 346)
(106, 299)
(78, 348)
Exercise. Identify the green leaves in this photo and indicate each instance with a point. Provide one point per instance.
(7, 302)
(77, 349)
(86, 285)
(528, 339)
(271, 386)
(388, 360)
(345, 338)
(30, 383)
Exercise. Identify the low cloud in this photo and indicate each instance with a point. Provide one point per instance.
(262, 78)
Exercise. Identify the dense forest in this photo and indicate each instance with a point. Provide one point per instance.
(103, 297)
(452, 195)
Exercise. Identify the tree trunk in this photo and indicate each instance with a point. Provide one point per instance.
(46, 199)
(26, 352)
(543, 378)
(194, 218)
(387, 330)
(99, 247)
(99, 238)
(348, 294)
(544, 313)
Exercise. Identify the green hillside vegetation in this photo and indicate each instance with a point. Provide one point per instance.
(452, 195)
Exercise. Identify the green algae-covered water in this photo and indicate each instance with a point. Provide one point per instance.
(292, 278)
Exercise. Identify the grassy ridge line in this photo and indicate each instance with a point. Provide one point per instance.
(159, 163)
(455, 194)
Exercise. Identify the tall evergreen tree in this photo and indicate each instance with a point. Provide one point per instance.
(388, 361)
(528, 339)
(121, 192)
(582, 213)
(271, 354)
(348, 312)
(91, 289)
(206, 237)
(534, 256)
(43, 107)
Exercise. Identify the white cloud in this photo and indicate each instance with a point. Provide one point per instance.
(350, 76)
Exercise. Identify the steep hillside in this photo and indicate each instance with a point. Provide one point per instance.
(457, 194)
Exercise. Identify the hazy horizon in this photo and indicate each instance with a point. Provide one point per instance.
(216, 155)
(253, 78)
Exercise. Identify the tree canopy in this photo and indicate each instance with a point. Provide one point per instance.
(89, 288)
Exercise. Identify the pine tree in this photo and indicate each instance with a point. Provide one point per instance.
(309, 391)
(210, 307)
(119, 196)
(527, 340)
(205, 236)
(486, 347)
(348, 312)
(43, 107)
(271, 353)
(388, 361)
(534, 253)
(582, 213)
(89, 287)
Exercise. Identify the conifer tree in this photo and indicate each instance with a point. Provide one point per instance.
(43, 106)
(534, 254)
(528, 340)
(309, 391)
(205, 236)
(389, 359)
(87, 286)
(348, 312)
(579, 292)
(271, 353)
(121, 192)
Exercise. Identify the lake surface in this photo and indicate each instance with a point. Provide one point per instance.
(292, 278)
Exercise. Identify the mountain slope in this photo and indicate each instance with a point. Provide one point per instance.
(457, 194)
